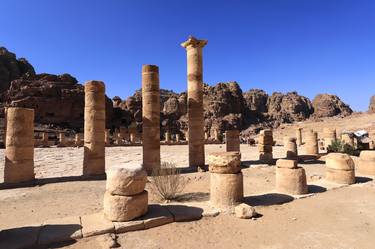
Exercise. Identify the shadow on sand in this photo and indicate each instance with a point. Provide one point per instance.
(268, 199)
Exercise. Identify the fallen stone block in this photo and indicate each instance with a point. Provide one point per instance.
(157, 215)
(184, 213)
(128, 226)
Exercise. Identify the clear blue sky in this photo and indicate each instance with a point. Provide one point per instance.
(311, 46)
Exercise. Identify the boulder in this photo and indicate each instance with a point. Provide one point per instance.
(126, 180)
(328, 105)
(244, 211)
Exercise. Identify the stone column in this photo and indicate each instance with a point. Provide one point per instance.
(299, 136)
(177, 138)
(340, 168)
(124, 134)
(193, 48)
(347, 138)
(329, 135)
(94, 148)
(311, 143)
(132, 138)
(206, 136)
(290, 178)
(19, 145)
(107, 137)
(232, 140)
(45, 139)
(265, 143)
(226, 179)
(216, 135)
(62, 139)
(77, 140)
(151, 117)
(167, 137)
(290, 148)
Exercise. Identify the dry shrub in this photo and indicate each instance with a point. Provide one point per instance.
(167, 181)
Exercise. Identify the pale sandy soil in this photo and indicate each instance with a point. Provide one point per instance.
(341, 218)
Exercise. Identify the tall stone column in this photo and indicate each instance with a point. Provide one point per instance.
(107, 139)
(299, 136)
(94, 127)
(194, 49)
(19, 145)
(151, 117)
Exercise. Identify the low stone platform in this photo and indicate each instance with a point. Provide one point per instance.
(77, 227)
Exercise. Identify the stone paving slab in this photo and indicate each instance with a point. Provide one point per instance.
(128, 226)
(96, 224)
(157, 215)
(60, 230)
(19, 237)
(184, 213)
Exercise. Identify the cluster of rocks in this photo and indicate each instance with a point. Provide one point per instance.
(125, 198)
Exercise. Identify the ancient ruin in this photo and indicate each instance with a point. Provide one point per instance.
(232, 138)
(290, 148)
(265, 143)
(290, 178)
(125, 197)
(366, 163)
(226, 179)
(194, 49)
(94, 144)
(340, 168)
(311, 143)
(19, 148)
(151, 117)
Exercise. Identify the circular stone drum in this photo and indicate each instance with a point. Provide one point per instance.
(366, 163)
(291, 181)
(226, 190)
(340, 168)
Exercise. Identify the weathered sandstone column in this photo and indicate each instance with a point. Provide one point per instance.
(167, 137)
(125, 198)
(265, 143)
(329, 135)
(216, 135)
(77, 140)
(290, 178)
(232, 140)
(195, 100)
(311, 143)
(62, 139)
(290, 148)
(107, 140)
(206, 137)
(94, 148)
(366, 163)
(132, 138)
(177, 138)
(226, 179)
(340, 168)
(299, 136)
(151, 117)
(19, 145)
(45, 139)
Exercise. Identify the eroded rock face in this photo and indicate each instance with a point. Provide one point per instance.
(256, 100)
(290, 107)
(56, 99)
(12, 68)
(371, 107)
(328, 105)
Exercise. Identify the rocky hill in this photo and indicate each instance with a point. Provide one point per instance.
(58, 101)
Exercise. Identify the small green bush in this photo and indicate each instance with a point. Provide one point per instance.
(341, 147)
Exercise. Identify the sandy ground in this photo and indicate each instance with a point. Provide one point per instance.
(341, 218)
